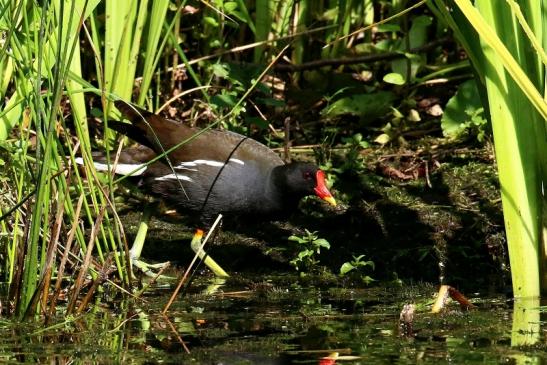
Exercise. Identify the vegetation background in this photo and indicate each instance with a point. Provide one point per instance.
(402, 102)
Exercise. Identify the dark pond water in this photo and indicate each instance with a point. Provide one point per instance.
(281, 322)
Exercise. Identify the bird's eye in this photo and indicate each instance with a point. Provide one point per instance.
(307, 175)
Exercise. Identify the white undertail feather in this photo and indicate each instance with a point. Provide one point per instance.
(121, 168)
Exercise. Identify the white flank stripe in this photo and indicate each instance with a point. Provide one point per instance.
(174, 177)
(237, 161)
(181, 166)
(209, 163)
(185, 165)
(121, 168)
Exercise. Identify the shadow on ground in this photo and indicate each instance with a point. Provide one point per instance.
(446, 226)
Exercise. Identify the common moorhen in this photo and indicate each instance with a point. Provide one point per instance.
(207, 172)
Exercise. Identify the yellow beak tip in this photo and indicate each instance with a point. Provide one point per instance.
(330, 200)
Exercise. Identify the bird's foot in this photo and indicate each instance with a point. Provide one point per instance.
(151, 270)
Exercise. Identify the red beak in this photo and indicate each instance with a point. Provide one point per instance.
(321, 188)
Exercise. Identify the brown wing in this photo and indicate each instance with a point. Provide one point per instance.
(162, 134)
(152, 130)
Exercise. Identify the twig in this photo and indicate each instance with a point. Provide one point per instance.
(369, 58)
(196, 256)
(287, 144)
(174, 330)
(64, 259)
(101, 277)
(87, 260)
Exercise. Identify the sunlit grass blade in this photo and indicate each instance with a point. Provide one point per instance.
(156, 21)
(518, 114)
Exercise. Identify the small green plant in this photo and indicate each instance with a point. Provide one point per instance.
(310, 246)
(464, 114)
(354, 159)
(356, 268)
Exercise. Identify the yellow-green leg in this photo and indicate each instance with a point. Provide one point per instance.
(207, 260)
(136, 250)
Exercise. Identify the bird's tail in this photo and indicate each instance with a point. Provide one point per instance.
(139, 128)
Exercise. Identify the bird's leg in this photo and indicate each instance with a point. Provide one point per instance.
(136, 250)
(207, 260)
